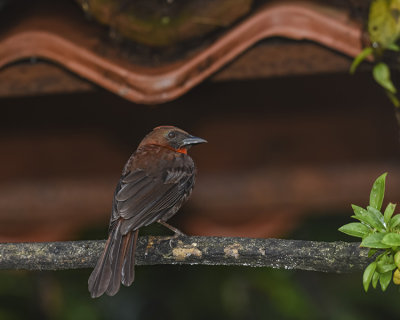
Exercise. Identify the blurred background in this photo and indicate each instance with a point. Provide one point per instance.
(293, 141)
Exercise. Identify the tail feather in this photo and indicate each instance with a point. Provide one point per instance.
(101, 275)
(117, 258)
(112, 264)
(128, 267)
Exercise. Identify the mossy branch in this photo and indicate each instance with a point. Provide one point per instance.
(336, 257)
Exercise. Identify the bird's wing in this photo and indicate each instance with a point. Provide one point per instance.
(141, 199)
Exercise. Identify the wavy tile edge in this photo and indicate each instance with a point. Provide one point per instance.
(326, 26)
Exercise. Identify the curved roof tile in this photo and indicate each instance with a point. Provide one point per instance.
(83, 52)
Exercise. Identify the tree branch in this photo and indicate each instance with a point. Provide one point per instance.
(337, 257)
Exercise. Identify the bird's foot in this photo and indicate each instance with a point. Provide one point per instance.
(153, 240)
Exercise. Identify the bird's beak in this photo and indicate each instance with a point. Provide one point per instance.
(192, 140)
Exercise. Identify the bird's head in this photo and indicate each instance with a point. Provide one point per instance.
(172, 138)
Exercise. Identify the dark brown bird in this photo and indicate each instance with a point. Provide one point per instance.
(157, 179)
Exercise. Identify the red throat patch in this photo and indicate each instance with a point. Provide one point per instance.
(181, 150)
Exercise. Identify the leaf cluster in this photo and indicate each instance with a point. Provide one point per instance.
(384, 33)
(378, 231)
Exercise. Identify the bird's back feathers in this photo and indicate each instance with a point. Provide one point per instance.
(156, 181)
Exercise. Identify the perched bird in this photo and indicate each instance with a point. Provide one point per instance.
(157, 179)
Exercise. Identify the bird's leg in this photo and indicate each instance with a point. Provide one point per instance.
(152, 240)
(178, 233)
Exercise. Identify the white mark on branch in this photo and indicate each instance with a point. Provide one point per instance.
(233, 250)
(181, 252)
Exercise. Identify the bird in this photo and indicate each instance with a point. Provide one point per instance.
(155, 182)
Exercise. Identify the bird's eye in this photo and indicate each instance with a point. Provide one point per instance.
(171, 134)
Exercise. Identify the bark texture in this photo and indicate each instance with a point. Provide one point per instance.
(335, 257)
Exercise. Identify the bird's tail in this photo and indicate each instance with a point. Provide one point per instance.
(116, 264)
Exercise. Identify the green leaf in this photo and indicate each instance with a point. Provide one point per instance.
(358, 211)
(376, 213)
(378, 192)
(393, 47)
(383, 24)
(383, 266)
(371, 219)
(355, 229)
(384, 280)
(375, 279)
(397, 259)
(369, 222)
(378, 217)
(389, 212)
(364, 221)
(381, 73)
(368, 274)
(360, 58)
(386, 267)
(391, 239)
(395, 221)
(374, 241)
(371, 252)
(393, 98)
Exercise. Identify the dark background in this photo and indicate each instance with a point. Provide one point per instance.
(333, 119)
